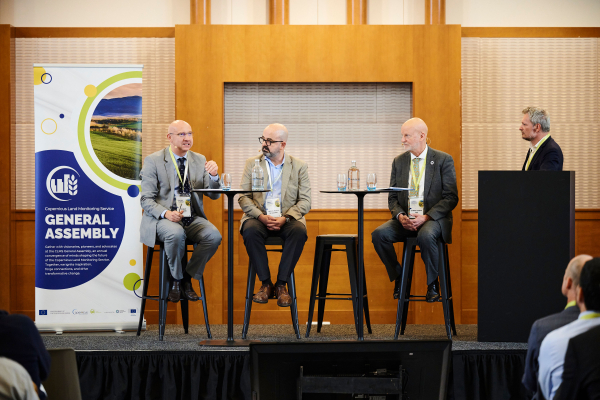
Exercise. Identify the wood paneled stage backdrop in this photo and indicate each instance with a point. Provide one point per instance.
(209, 56)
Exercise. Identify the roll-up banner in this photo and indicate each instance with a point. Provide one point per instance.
(88, 156)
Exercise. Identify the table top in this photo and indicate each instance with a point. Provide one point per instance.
(385, 190)
(229, 191)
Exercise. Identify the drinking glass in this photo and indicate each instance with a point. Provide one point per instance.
(371, 181)
(226, 181)
(341, 182)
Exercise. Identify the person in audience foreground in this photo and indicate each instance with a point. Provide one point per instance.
(554, 346)
(543, 326)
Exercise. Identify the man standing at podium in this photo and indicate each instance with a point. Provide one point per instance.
(425, 211)
(544, 153)
(172, 212)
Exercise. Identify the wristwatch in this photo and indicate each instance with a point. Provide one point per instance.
(287, 219)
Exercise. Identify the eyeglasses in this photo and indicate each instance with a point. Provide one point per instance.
(183, 134)
(268, 141)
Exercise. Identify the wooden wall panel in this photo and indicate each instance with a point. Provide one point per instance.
(7, 77)
(429, 57)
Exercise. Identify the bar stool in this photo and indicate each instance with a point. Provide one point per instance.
(320, 278)
(408, 261)
(164, 274)
(271, 241)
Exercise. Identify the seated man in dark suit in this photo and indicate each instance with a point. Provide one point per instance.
(425, 211)
(581, 375)
(544, 153)
(545, 325)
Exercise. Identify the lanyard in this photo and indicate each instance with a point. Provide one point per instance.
(590, 316)
(536, 149)
(276, 179)
(571, 304)
(414, 179)
(177, 169)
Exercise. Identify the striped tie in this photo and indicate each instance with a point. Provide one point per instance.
(414, 191)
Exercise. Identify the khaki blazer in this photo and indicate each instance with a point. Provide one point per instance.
(295, 190)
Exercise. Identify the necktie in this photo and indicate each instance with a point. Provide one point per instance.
(186, 188)
(414, 191)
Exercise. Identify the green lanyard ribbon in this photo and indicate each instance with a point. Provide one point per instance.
(177, 169)
(590, 316)
(414, 179)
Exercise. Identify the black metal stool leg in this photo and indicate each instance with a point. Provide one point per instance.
(411, 261)
(185, 316)
(444, 292)
(149, 254)
(294, 306)
(366, 304)
(204, 308)
(352, 274)
(249, 294)
(323, 285)
(449, 284)
(163, 293)
(314, 284)
(402, 299)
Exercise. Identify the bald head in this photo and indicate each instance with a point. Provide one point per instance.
(179, 126)
(574, 268)
(414, 135)
(278, 129)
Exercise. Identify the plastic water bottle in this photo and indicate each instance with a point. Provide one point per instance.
(353, 177)
(258, 177)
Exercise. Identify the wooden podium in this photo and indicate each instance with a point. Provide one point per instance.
(526, 239)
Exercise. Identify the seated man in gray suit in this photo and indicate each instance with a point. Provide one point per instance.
(173, 213)
(425, 211)
(545, 325)
(279, 212)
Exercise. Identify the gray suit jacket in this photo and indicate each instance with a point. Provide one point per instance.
(440, 192)
(158, 184)
(295, 190)
(539, 330)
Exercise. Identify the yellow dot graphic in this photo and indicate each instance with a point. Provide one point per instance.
(37, 75)
(49, 126)
(132, 262)
(90, 90)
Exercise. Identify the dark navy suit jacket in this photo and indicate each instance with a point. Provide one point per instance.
(581, 375)
(548, 157)
(539, 330)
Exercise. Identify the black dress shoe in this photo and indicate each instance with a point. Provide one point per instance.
(174, 291)
(187, 291)
(397, 288)
(433, 292)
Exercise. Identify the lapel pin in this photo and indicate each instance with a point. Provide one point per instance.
(433, 162)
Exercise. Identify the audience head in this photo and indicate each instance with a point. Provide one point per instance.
(571, 278)
(414, 135)
(588, 293)
(180, 136)
(535, 123)
(277, 135)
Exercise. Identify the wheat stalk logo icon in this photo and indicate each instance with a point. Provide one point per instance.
(72, 185)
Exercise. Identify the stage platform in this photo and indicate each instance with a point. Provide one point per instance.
(123, 366)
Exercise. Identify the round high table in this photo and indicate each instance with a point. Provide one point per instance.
(230, 195)
(360, 194)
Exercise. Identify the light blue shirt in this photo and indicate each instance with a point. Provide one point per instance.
(274, 182)
(553, 350)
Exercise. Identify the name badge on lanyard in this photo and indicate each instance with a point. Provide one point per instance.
(184, 203)
(272, 204)
(415, 206)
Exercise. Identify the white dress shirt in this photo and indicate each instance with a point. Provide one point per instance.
(422, 159)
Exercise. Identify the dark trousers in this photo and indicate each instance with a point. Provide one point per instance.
(255, 234)
(392, 232)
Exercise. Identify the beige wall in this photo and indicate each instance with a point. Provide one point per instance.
(153, 13)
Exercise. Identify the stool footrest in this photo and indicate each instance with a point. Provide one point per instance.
(332, 298)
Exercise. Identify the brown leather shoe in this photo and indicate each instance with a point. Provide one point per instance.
(264, 294)
(283, 298)
(175, 291)
(187, 291)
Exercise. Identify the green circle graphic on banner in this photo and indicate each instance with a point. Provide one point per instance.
(130, 280)
(85, 151)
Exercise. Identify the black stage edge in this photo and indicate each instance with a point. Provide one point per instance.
(123, 366)
(526, 239)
